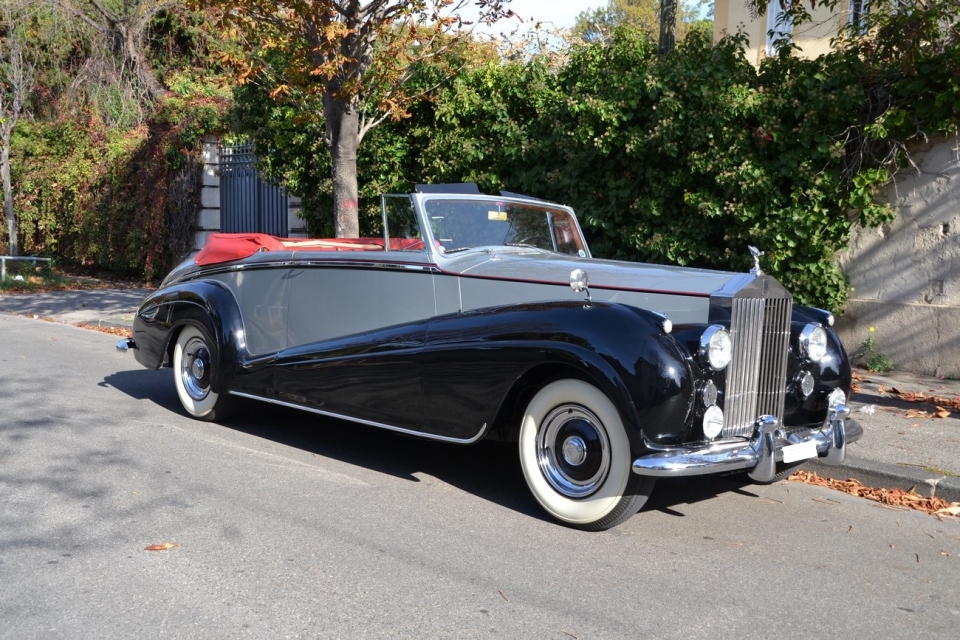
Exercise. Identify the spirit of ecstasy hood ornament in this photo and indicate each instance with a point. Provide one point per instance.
(756, 253)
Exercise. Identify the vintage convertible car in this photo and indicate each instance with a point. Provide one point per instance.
(476, 316)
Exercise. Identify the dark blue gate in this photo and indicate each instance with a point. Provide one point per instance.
(248, 203)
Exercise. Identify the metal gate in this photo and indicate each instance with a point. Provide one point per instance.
(248, 204)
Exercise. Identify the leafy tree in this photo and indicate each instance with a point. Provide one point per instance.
(18, 64)
(350, 61)
(117, 61)
(668, 25)
(642, 15)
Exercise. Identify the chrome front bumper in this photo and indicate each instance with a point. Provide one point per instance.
(760, 454)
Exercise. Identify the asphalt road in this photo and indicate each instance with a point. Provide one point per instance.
(290, 525)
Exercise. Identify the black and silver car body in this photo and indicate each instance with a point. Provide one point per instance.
(478, 316)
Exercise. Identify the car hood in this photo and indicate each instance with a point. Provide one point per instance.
(550, 268)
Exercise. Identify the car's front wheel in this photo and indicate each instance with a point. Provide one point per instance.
(576, 457)
(194, 362)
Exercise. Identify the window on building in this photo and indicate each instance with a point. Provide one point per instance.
(857, 14)
(779, 26)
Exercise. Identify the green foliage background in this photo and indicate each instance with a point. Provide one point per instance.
(121, 199)
(96, 186)
(685, 158)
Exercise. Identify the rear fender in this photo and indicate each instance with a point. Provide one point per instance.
(205, 303)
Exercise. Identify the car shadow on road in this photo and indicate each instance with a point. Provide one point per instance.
(489, 470)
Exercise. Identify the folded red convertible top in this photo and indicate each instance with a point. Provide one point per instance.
(224, 247)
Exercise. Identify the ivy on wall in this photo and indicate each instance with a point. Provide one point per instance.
(122, 199)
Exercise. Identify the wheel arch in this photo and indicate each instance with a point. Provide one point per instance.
(507, 422)
(209, 305)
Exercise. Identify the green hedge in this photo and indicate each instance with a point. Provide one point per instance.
(124, 200)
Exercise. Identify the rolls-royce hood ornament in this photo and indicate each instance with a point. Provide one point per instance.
(756, 253)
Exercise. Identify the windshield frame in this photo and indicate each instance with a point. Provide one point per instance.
(422, 203)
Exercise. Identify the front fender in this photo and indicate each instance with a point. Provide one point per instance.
(209, 304)
(474, 361)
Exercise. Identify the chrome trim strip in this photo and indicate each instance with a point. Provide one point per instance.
(369, 423)
(666, 292)
(203, 272)
(759, 454)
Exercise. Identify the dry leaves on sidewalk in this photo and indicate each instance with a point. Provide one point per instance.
(890, 497)
(944, 406)
(115, 331)
(163, 546)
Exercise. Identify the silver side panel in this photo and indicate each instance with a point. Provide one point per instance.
(480, 293)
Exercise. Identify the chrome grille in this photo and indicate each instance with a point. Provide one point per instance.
(756, 375)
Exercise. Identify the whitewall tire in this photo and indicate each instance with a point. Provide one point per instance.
(194, 363)
(576, 457)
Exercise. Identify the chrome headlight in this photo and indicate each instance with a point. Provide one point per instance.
(715, 347)
(813, 342)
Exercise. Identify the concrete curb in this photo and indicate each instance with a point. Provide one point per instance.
(888, 476)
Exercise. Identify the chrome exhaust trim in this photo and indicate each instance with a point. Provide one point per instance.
(125, 344)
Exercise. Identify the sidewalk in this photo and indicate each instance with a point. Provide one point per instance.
(96, 307)
(904, 444)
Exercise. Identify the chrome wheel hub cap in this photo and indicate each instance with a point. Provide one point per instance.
(195, 369)
(573, 451)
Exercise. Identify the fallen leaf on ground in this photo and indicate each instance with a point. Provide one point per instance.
(116, 331)
(163, 546)
(855, 387)
(888, 497)
(942, 403)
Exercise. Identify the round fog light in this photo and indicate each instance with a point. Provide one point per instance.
(708, 393)
(712, 422)
(836, 398)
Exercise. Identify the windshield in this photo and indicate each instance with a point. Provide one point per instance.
(459, 225)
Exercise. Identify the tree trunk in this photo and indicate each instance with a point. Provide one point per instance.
(139, 64)
(343, 138)
(668, 25)
(8, 196)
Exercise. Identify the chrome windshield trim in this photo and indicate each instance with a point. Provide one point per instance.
(369, 423)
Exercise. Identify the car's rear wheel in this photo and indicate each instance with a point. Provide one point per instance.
(194, 364)
(576, 457)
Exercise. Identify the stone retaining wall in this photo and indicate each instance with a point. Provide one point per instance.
(905, 276)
